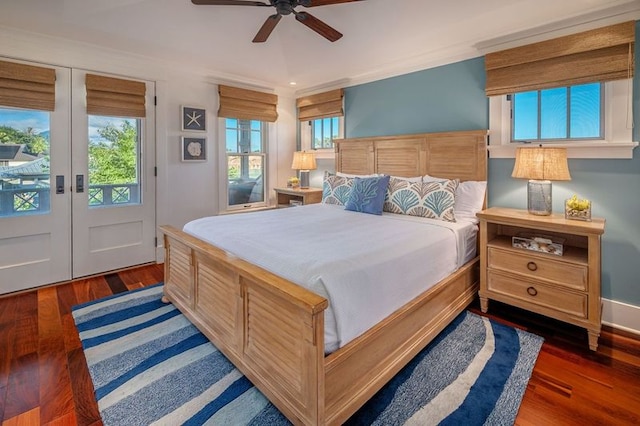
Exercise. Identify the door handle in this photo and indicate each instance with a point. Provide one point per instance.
(59, 184)
(79, 183)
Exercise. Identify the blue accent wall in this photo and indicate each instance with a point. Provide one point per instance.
(451, 97)
(445, 98)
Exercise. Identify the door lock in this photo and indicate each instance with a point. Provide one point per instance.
(79, 183)
(59, 184)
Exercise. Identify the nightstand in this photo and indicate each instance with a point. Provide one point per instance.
(284, 196)
(565, 287)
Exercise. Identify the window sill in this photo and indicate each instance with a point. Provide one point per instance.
(245, 210)
(600, 150)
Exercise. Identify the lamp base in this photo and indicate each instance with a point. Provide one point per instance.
(539, 197)
(304, 179)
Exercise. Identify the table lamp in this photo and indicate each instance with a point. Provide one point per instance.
(541, 166)
(304, 161)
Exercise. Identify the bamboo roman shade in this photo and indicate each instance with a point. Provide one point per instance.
(602, 54)
(247, 104)
(27, 86)
(322, 105)
(115, 97)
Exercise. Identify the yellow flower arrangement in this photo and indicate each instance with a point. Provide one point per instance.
(576, 208)
(293, 182)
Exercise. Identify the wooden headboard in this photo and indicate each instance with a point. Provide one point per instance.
(461, 155)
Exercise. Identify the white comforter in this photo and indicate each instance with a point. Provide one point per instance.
(367, 266)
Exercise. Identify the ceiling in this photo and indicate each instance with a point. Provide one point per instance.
(381, 37)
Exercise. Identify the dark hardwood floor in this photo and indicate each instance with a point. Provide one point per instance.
(44, 377)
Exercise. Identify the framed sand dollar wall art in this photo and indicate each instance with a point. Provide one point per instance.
(194, 119)
(193, 149)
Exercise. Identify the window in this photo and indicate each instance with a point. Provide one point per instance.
(245, 142)
(561, 114)
(24, 161)
(323, 132)
(591, 120)
(323, 114)
(318, 135)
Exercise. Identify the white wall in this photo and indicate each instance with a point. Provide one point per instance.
(184, 190)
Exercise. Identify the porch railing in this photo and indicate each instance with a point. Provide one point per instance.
(34, 200)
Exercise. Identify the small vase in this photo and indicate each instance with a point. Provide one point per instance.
(575, 214)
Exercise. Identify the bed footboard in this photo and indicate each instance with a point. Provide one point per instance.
(273, 329)
(358, 370)
(270, 328)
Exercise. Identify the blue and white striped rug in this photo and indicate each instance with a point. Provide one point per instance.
(150, 365)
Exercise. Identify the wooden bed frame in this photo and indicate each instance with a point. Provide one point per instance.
(273, 329)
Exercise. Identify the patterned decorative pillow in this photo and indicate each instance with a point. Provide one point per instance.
(433, 200)
(336, 189)
(367, 195)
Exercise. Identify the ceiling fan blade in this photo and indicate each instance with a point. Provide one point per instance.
(229, 3)
(313, 3)
(267, 27)
(318, 26)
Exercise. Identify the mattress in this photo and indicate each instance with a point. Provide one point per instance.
(366, 266)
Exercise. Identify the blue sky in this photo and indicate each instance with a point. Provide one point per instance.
(22, 120)
(583, 102)
(39, 121)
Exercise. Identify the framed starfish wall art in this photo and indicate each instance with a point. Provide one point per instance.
(194, 119)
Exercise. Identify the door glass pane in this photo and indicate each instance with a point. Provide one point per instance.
(114, 167)
(24, 162)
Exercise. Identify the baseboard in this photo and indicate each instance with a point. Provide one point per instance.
(621, 315)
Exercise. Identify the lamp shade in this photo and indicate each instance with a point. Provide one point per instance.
(541, 164)
(303, 160)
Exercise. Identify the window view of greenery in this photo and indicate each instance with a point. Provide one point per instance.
(563, 113)
(24, 162)
(244, 141)
(113, 160)
(323, 131)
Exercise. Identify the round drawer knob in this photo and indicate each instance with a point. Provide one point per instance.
(532, 266)
(532, 291)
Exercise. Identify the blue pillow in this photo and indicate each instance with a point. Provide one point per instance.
(367, 195)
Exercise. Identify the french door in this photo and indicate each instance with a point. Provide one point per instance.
(80, 200)
(113, 198)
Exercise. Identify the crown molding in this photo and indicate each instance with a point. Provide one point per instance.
(614, 15)
(620, 13)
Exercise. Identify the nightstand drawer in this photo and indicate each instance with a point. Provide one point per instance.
(574, 304)
(538, 267)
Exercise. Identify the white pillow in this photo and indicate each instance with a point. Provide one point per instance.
(347, 175)
(408, 179)
(469, 197)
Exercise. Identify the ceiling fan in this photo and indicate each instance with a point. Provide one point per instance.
(285, 7)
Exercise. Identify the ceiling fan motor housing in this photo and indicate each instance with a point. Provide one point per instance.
(285, 7)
